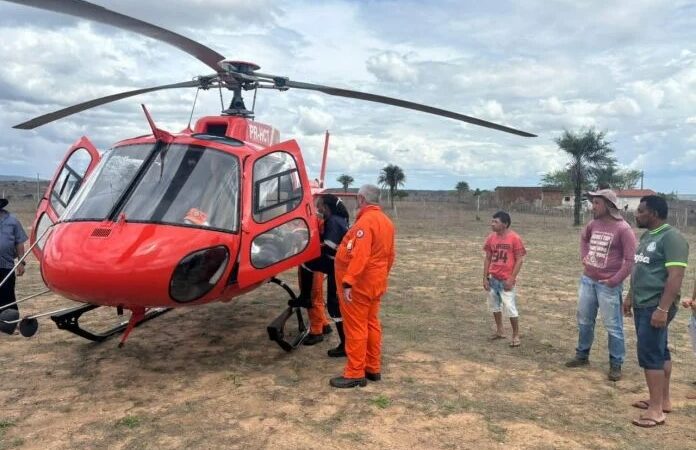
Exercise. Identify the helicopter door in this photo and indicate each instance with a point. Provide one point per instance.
(76, 166)
(279, 228)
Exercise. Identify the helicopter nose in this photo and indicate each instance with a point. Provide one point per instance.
(139, 264)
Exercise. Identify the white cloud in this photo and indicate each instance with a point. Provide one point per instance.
(490, 109)
(313, 120)
(392, 67)
(537, 69)
(552, 105)
(622, 106)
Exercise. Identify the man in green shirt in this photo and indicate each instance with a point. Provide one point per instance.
(660, 262)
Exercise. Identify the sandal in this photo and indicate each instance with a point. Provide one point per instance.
(647, 422)
(496, 336)
(645, 404)
(515, 342)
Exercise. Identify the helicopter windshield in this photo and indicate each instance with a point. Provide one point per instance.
(181, 185)
(107, 184)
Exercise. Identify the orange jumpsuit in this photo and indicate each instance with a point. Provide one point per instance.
(317, 314)
(363, 260)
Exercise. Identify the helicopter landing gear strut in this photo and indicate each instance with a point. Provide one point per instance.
(276, 329)
(69, 320)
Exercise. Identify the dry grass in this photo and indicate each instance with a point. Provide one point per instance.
(209, 378)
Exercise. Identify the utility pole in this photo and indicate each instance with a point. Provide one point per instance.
(641, 179)
(38, 188)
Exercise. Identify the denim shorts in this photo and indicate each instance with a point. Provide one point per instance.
(499, 298)
(652, 342)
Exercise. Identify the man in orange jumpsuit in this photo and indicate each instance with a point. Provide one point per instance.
(363, 261)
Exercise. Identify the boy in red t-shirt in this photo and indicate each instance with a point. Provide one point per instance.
(504, 256)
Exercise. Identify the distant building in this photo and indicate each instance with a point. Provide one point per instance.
(630, 198)
(627, 200)
(532, 195)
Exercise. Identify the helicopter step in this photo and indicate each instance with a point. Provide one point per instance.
(69, 320)
(276, 329)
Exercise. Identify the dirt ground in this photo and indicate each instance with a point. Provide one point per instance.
(210, 378)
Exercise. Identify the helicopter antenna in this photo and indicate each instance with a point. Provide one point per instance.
(253, 103)
(188, 127)
(222, 102)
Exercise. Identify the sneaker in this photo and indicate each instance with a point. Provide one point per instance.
(577, 362)
(337, 352)
(312, 339)
(327, 330)
(343, 382)
(373, 376)
(614, 372)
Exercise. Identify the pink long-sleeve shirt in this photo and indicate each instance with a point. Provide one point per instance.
(607, 248)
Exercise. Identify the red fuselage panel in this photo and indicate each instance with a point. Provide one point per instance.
(126, 263)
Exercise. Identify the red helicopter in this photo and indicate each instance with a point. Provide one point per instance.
(180, 219)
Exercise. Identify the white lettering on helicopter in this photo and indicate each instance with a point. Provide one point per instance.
(259, 133)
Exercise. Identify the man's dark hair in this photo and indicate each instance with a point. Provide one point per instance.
(503, 217)
(656, 204)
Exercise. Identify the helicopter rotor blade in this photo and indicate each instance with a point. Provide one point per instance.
(70, 110)
(96, 13)
(283, 83)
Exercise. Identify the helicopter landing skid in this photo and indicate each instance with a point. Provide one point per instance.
(69, 320)
(276, 329)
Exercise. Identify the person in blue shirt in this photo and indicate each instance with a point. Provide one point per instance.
(335, 227)
(12, 239)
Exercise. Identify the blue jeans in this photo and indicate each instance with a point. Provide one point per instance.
(593, 296)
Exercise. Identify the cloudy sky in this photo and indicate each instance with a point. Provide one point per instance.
(627, 67)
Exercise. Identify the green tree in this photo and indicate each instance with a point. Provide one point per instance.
(588, 150)
(391, 177)
(603, 177)
(672, 196)
(630, 179)
(558, 179)
(346, 181)
(462, 188)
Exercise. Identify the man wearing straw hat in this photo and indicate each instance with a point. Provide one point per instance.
(607, 248)
(12, 239)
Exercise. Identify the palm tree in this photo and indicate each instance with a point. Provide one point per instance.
(391, 177)
(588, 150)
(345, 180)
(462, 188)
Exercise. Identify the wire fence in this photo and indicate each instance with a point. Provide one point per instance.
(682, 214)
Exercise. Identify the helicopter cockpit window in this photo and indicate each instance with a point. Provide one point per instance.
(69, 180)
(107, 184)
(188, 185)
(277, 186)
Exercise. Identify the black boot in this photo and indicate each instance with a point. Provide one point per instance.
(312, 339)
(344, 383)
(340, 350)
(306, 283)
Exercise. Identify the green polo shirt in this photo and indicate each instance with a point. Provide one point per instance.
(657, 250)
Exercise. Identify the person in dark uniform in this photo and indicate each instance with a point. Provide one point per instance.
(12, 239)
(336, 218)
